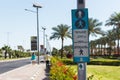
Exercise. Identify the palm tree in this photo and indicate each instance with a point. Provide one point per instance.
(104, 42)
(0, 52)
(60, 32)
(93, 47)
(94, 27)
(98, 41)
(7, 51)
(110, 41)
(114, 20)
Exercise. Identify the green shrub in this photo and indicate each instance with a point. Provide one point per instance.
(60, 71)
(0, 55)
(68, 61)
(105, 62)
(109, 62)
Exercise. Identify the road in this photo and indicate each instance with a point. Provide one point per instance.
(10, 65)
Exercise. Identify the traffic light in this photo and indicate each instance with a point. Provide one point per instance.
(80, 18)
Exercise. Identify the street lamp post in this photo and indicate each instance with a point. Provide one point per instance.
(44, 36)
(37, 6)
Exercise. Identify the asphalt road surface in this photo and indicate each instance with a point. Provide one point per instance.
(10, 65)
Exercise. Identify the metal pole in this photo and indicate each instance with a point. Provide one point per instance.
(44, 36)
(46, 42)
(81, 71)
(48, 45)
(81, 65)
(37, 6)
(37, 34)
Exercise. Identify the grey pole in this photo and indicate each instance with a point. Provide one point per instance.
(46, 42)
(81, 65)
(44, 36)
(37, 6)
(38, 35)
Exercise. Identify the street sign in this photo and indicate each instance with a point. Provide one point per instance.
(80, 18)
(33, 42)
(80, 45)
(81, 66)
(80, 35)
(81, 71)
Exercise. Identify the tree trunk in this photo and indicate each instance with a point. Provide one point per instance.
(62, 49)
(104, 49)
(118, 42)
(118, 47)
(5, 54)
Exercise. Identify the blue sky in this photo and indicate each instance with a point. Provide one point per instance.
(18, 25)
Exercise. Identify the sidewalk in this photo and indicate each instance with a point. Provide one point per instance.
(27, 72)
